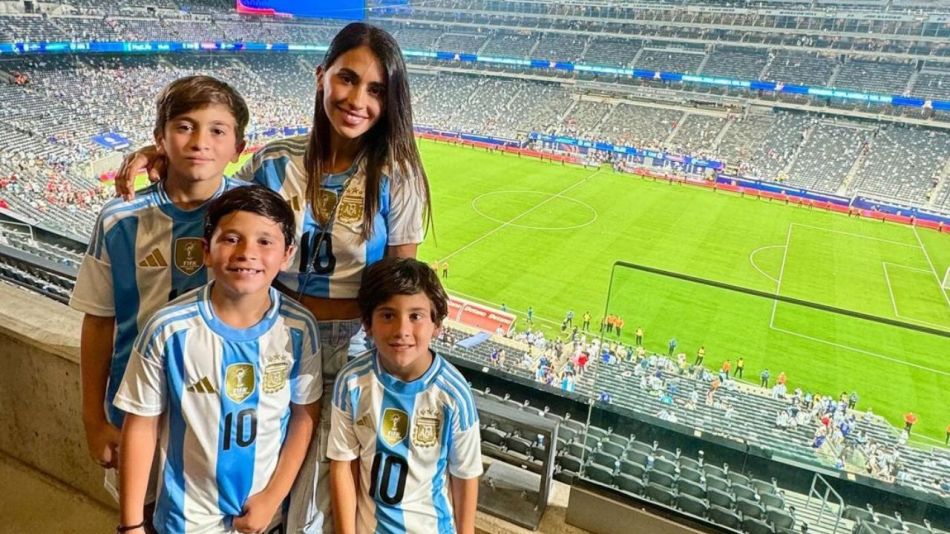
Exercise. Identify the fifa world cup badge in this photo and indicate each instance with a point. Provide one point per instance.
(189, 255)
(239, 381)
(395, 426)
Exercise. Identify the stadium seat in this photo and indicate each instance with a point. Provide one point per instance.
(612, 448)
(691, 505)
(723, 516)
(604, 459)
(691, 474)
(566, 433)
(637, 456)
(763, 487)
(632, 468)
(774, 501)
(736, 478)
(720, 498)
(780, 518)
(714, 470)
(640, 446)
(617, 439)
(856, 514)
(564, 476)
(660, 494)
(493, 436)
(663, 453)
(597, 432)
(889, 522)
(867, 527)
(519, 447)
(743, 492)
(569, 462)
(749, 508)
(591, 442)
(914, 528)
(661, 478)
(629, 484)
(755, 526)
(539, 451)
(579, 450)
(717, 483)
(599, 474)
(664, 466)
(686, 461)
(690, 488)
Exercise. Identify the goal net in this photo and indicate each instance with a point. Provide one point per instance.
(945, 283)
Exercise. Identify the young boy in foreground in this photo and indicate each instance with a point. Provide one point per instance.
(146, 252)
(228, 375)
(404, 439)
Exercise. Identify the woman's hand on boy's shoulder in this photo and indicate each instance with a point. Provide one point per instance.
(259, 511)
(147, 158)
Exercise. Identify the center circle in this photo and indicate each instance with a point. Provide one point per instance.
(527, 209)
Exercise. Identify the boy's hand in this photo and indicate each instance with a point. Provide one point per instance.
(259, 511)
(103, 439)
(146, 158)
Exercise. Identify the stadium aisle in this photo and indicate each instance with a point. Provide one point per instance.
(33, 502)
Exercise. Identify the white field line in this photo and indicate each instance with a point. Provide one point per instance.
(756, 267)
(862, 351)
(852, 234)
(932, 268)
(781, 272)
(502, 226)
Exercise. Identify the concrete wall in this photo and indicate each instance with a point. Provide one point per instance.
(40, 422)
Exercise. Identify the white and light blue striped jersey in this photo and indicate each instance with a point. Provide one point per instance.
(408, 436)
(335, 269)
(142, 254)
(224, 398)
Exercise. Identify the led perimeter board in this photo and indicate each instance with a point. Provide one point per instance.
(322, 9)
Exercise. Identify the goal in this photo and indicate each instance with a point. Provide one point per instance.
(945, 284)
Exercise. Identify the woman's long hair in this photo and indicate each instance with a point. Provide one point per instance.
(388, 146)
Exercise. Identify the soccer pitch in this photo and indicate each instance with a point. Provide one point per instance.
(528, 233)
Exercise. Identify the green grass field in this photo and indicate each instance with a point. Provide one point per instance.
(529, 233)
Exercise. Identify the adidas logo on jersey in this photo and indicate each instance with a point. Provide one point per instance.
(155, 259)
(202, 386)
(365, 421)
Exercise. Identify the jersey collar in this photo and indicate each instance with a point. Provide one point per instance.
(178, 214)
(229, 333)
(395, 385)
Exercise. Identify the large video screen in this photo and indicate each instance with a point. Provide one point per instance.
(324, 9)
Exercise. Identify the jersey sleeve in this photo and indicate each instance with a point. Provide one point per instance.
(465, 456)
(308, 383)
(407, 200)
(94, 293)
(342, 443)
(143, 390)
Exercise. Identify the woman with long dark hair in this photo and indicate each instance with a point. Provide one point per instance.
(359, 193)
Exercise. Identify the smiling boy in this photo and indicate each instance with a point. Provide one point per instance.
(146, 252)
(229, 377)
(403, 418)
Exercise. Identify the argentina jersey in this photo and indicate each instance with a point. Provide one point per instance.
(142, 254)
(329, 263)
(409, 437)
(224, 398)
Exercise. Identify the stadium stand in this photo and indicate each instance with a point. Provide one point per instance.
(45, 140)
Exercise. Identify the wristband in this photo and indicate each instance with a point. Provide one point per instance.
(126, 528)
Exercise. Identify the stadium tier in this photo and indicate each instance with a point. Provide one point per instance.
(646, 88)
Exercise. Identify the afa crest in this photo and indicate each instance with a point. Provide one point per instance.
(276, 373)
(189, 255)
(395, 426)
(239, 381)
(351, 205)
(425, 429)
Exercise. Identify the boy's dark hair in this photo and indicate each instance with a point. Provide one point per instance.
(196, 92)
(253, 199)
(400, 276)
